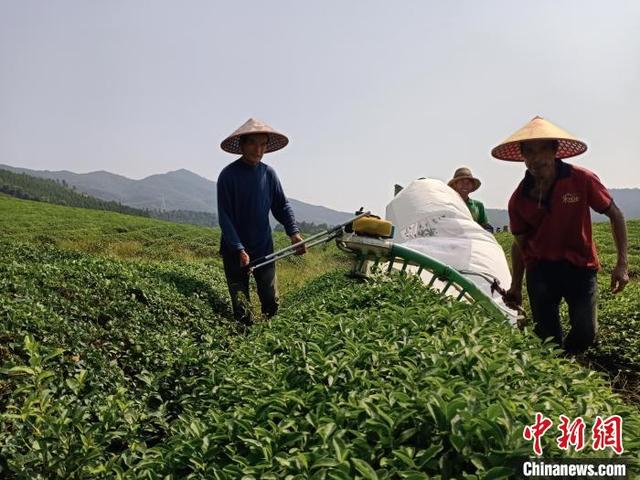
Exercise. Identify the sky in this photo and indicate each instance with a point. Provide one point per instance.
(370, 93)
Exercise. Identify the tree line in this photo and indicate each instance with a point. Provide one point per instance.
(28, 187)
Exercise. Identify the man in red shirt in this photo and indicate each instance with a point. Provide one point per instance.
(550, 218)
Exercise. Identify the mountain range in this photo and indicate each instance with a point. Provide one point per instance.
(185, 190)
(177, 190)
(628, 199)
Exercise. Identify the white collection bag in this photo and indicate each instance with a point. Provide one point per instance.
(430, 217)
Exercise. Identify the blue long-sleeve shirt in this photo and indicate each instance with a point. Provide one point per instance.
(246, 194)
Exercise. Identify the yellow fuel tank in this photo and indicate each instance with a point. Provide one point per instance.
(373, 226)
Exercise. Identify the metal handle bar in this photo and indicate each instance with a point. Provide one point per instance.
(329, 234)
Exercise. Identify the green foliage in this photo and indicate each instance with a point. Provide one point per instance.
(96, 352)
(104, 233)
(123, 364)
(205, 219)
(618, 348)
(352, 380)
(308, 228)
(27, 187)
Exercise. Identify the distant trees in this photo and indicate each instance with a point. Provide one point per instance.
(186, 216)
(309, 228)
(27, 187)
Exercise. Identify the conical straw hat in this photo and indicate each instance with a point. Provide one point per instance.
(539, 129)
(465, 172)
(276, 140)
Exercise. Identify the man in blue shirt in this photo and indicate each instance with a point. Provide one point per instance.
(247, 191)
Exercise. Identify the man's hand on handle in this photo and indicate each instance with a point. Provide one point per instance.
(296, 238)
(244, 258)
(513, 297)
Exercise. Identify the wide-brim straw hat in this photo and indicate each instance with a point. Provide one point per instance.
(275, 142)
(465, 172)
(539, 129)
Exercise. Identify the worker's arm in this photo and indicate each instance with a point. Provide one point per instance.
(514, 294)
(226, 225)
(283, 213)
(619, 275)
(482, 217)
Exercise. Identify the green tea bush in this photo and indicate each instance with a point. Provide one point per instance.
(352, 380)
(131, 369)
(618, 349)
(383, 380)
(95, 352)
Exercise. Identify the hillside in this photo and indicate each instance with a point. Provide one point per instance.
(21, 185)
(628, 199)
(184, 190)
(136, 238)
(118, 359)
(46, 190)
(178, 190)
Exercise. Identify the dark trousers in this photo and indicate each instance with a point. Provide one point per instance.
(550, 282)
(238, 283)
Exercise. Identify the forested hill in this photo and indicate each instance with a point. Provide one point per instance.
(25, 186)
(28, 187)
(177, 190)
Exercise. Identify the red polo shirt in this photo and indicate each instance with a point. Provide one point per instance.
(558, 227)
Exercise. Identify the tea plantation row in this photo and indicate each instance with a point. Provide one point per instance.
(618, 349)
(114, 369)
(130, 369)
